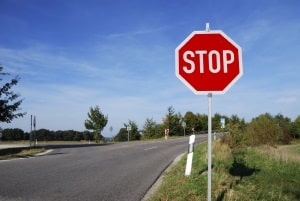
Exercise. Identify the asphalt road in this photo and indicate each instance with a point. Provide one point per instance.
(112, 172)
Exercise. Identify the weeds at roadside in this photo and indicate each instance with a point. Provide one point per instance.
(19, 153)
(245, 174)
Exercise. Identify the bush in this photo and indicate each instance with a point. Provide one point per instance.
(235, 139)
(264, 130)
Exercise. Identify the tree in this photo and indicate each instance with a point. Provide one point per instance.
(43, 134)
(295, 128)
(122, 135)
(149, 129)
(96, 121)
(191, 121)
(87, 135)
(9, 101)
(216, 121)
(159, 131)
(173, 122)
(285, 124)
(202, 124)
(123, 132)
(134, 132)
(235, 120)
(235, 137)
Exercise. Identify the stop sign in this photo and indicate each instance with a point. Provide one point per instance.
(208, 62)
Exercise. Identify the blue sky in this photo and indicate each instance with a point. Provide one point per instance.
(119, 55)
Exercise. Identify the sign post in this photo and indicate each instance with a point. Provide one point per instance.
(128, 129)
(34, 126)
(208, 62)
(209, 151)
(183, 125)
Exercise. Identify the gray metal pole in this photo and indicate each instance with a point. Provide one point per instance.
(209, 149)
(34, 131)
(30, 135)
(209, 139)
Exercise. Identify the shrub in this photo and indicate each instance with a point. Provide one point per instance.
(263, 130)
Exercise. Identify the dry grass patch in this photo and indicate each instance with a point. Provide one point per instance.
(283, 152)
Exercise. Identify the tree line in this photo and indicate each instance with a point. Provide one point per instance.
(265, 128)
(16, 134)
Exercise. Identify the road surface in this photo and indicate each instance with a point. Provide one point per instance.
(112, 172)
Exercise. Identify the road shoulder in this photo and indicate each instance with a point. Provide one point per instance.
(158, 182)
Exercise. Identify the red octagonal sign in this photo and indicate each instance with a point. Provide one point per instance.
(208, 62)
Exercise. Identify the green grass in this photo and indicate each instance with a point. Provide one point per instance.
(248, 174)
(22, 152)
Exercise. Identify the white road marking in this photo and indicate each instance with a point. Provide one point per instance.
(150, 148)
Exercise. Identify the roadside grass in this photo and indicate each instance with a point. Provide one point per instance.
(20, 152)
(261, 173)
(43, 142)
(163, 138)
(20, 142)
(23, 152)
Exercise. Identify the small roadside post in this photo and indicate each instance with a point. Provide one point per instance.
(188, 167)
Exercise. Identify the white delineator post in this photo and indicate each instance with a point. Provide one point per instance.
(188, 168)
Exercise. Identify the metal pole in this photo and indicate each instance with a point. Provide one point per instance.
(128, 129)
(209, 139)
(209, 149)
(183, 125)
(35, 137)
(30, 135)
